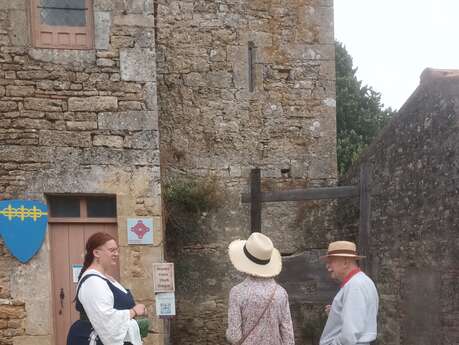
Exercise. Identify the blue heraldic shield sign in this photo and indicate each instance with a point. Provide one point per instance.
(23, 227)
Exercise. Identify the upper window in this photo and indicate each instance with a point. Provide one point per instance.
(66, 24)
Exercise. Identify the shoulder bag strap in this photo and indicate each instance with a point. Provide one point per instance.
(240, 342)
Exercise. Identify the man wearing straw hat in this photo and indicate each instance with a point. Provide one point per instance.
(258, 309)
(352, 315)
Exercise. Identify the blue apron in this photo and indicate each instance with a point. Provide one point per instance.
(81, 329)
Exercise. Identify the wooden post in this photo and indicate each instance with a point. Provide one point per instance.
(255, 200)
(364, 222)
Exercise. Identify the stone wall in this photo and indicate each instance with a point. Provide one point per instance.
(414, 194)
(243, 84)
(78, 122)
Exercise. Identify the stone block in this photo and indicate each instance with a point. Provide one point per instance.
(102, 23)
(150, 96)
(57, 138)
(138, 64)
(11, 312)
(103, 5)
(19, 91)
(81, 125)
(94, 103)
(12, 5)
(129, 120)
(220, 79)
(19, 29)
(108, 140)
(72, 57)
(6, 106)
(142, 140)
(134, 20)
(43, 104)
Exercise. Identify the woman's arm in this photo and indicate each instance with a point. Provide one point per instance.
(234, 331)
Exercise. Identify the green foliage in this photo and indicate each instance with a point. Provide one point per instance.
(359, 111)
(187, 202)
(192, 195)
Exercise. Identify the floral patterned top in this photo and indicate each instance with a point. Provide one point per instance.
(247, 301)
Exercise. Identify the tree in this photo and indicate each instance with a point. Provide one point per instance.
(359, 111)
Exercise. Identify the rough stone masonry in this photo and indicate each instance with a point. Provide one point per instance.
(413, 243)
(244, 84)
(78, 122)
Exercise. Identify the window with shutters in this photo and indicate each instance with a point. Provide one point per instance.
(66, 24)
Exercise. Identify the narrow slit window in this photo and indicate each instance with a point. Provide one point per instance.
(252, 61)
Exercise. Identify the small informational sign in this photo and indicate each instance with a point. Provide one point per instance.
(76, 269)
(163, 277)
(165, 304)
(140, 230)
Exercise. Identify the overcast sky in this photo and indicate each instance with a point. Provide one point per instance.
(392, 41)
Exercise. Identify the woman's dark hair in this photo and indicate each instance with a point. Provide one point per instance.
(94, 241)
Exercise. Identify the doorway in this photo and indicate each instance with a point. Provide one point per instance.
(73, 219)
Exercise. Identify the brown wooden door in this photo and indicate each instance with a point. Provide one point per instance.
(67, 249)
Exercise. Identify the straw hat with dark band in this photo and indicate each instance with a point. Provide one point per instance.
(342, 248)
(256, 256)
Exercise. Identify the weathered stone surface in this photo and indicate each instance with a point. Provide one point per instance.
(102, 22)
(19, 91)
(108, 140)
(66, 57)
(134, 20)
(75, 139)
(12, 5)
(414, 183)
(129, 120)
(32, 340)
(81, 125)
(19, 29)
(95, 103)
(8, 106)
(43, 104)
(138, 64)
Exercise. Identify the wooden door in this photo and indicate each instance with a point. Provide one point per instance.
(67, 249)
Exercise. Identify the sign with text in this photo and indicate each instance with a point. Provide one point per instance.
(163, 277)
(165, 304)
(140, 230)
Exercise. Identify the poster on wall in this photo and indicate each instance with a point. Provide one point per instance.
(23, 226)
(163, 277)
(165, 304)
(140, 230)
(76, 269)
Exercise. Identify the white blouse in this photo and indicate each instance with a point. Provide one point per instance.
(114, 327)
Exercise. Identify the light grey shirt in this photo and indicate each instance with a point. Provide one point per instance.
(352, 318)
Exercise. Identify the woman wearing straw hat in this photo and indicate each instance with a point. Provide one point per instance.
(352, 315)
(258, 309)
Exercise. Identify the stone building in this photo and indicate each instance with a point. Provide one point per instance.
(413, 243)
(77, 127)
(86, 88)
(242, 84)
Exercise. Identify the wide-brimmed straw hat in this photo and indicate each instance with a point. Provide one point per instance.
(342, 248)
(256, 256)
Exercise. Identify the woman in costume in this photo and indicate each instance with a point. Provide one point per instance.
(107, 309)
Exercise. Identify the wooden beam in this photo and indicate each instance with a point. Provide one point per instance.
(255, 200)
(306, 194)
(364, 221)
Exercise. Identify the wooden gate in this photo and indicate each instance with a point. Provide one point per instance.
(68, 236)
(303, 269)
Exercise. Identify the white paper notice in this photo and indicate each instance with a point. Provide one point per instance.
(165, 304)
(76, 269)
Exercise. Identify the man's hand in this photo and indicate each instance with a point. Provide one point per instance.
(327, 309)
